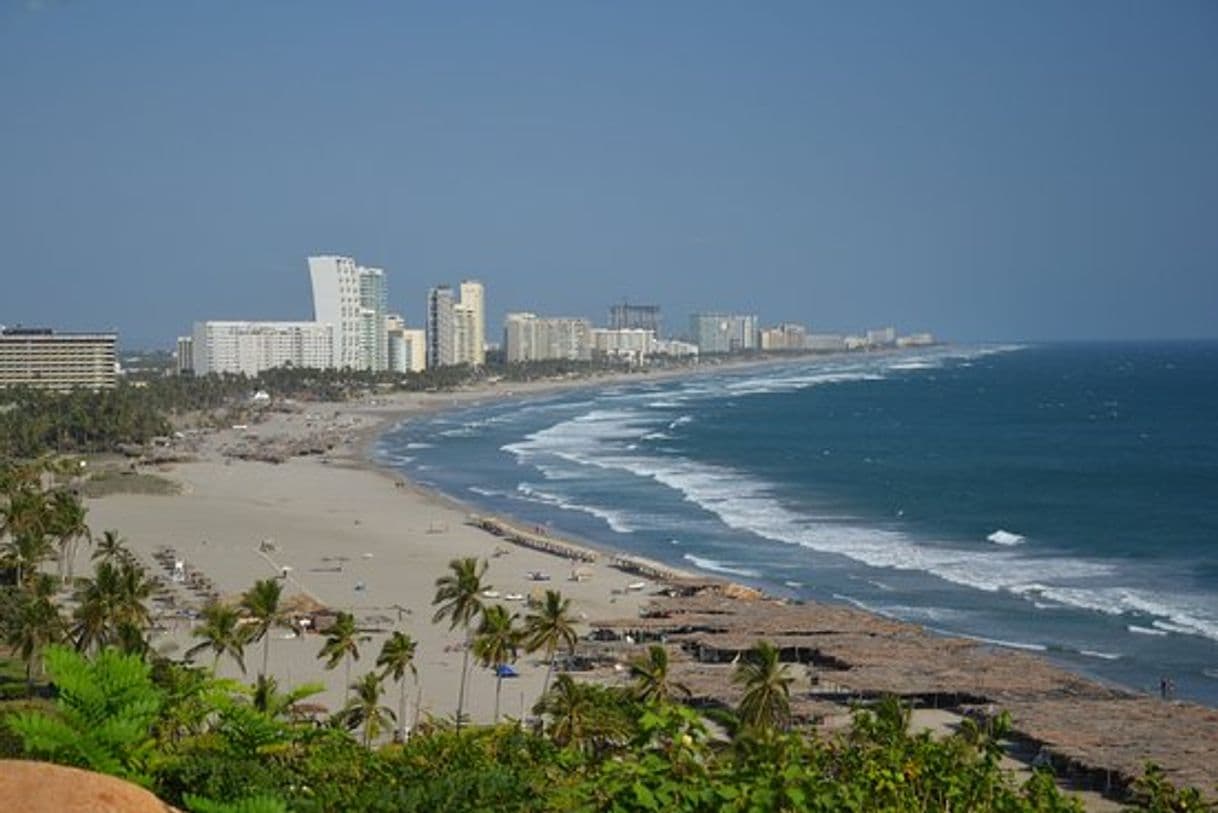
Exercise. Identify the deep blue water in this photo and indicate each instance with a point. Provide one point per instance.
(1059, 498)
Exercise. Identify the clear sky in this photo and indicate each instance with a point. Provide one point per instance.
(987, 170)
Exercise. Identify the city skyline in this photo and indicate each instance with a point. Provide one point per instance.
(985, 171)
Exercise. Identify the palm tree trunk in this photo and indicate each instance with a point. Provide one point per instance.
(266, 650)
(498, 689)
(545, 686)
(402, 709)
(347, 684)
(461, 691)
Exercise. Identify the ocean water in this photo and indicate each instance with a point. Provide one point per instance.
(1055, 498)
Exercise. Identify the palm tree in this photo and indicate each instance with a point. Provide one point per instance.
(111, 607)
(549, 628)
(32, 623)
(68, 523)
(365, 708)
(222, 632)
(342, 644)
(111, 548)
(261, 602)
(267, 698)
(458, 594)
(583, 715)
(397, 656)
(495, 644)
(653, 683)
(766, 702)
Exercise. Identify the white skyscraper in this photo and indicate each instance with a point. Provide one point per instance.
(354, 300)
(336, 301)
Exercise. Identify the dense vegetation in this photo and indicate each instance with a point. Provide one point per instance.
(210, 745)
(37, 422)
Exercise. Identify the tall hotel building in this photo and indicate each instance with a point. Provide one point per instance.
(44, 359)
(354, 300)
(456, 328)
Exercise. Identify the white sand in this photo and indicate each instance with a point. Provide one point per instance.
(396, 541)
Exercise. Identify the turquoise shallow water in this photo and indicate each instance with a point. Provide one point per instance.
(1061, 499)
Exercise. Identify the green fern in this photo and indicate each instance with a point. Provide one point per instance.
(104, 713)
(252, 804)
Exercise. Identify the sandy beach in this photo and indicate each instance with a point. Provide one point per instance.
(354, 538)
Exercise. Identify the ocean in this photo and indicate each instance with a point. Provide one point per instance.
(1061, 499)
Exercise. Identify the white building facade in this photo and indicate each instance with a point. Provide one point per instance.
(528, 337)
(251, 347)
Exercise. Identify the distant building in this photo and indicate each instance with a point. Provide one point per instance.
(353, 300)
(916, 340)
(675, 348)
(373, 307)
(44, 359)
(528, 337)
(186, 355)
(407, 348)
(635, 317)
(786, 336)
(473, 307)
(631, 345)
(825, 342)
(456, 328)
(715, 332)
(252, 347)
(881, 337)
(440, 338)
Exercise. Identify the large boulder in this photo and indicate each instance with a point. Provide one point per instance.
(40, 787)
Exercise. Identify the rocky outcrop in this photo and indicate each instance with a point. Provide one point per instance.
(40, 787)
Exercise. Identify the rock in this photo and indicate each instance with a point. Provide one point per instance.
(40, 787)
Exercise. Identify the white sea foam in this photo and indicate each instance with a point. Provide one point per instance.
(1145, 630)
(1095, 653)
(419, 445)
(616, 520)
(1007, 538)
(1000, 642)
(716, 566)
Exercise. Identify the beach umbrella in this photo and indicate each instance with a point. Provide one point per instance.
(505, 671)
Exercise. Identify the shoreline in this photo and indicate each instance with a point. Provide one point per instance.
(395, 536)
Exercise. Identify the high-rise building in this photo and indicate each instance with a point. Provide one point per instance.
(252, 347)
(353, 299)
(336, 301)
(528, 337)
(440, 338)
(186, 354)
(373, 333)
(456, 328)
(641, 317)
(723, 332)
(43, 359)
(473, 297)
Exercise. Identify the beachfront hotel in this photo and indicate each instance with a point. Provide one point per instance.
(353, 299)
(44, 359)
(251, 347)
(407, 346)
(528, 337)
(716, 332)
(456, 328)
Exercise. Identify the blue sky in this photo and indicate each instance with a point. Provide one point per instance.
(987, 170)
